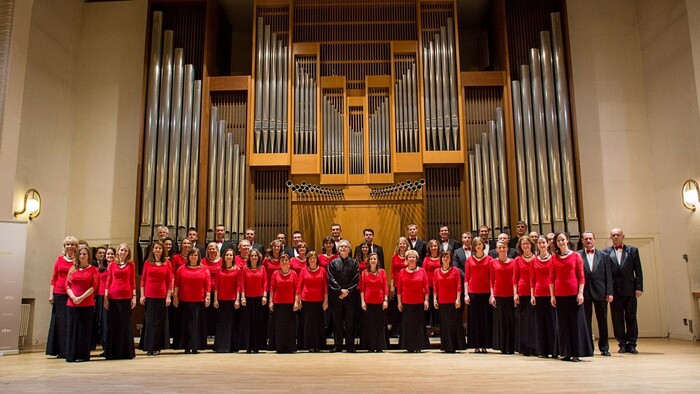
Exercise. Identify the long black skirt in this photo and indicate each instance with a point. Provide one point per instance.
(479, 322)
(56, 342)
(461, 334)
(211, 316)
(174, 326)
(413, 327)
(449, 328)
(253, 328)
(313, 330)
(285, 338)
(193, 325)
(394, 318)
(546, 331)
(79, 330)
(226, 340)
(504, 325)
(119, 343)
(155, 328)
(375, 332)
(100, 319)
(525, 327)
(574, 340)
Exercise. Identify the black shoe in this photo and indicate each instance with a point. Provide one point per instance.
(195, 352)
(622, 350)
(149, 353)
(632, 350)
(101, 354)
(336, 350)
(605, 353)
(566, 359)
(156, 352)
(351, 350)
(575, 359)
(187, 351)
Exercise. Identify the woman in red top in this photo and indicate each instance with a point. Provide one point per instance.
(180, 259)
(412, 295)
(177, 261)
(546, 340)
(191, 296)
(156, 289)
(98, 259)
(431, 263)
(312, 296)
(525, 313)
(56, 342)
(447, 284)
(81, 282)
(398, 263)
(100, 310)
(477, 290)
(253, 299)
(502, 300)
(169, 252)
(283, 304)
(227, 302)
(330, 252)
(566, 294)
(120, 300)
(243, 250)
(212, 262)
(299, 263)
(374, 295)
(363, 258)
(271, 263)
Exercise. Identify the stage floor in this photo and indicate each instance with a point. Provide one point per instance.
(662, 365)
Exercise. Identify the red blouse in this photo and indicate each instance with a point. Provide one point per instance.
(397, 264)
(297, 265)
(567, 274)
(430, 265)
(228, 283)
(60, 271)
(413, 286)
(502, 277)
(363, 266)
(477, 274)
(540, 278)
(270, 265)
(193, 283)
(254, 282)
(521, 275)
(283, 287)
(122, 281)
(80, 281)
(156, 280)
(374, 287)
(239, 261)
(324, 260)
(104, 276)
(214, 268)
(177, 261)
(446, 285)
(313, 285)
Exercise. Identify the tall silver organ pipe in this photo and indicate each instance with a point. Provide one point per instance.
(213, 148)
(164, 128)
(519, 151)
(540, 141)
(194, 163)
(529, 144)
(502, 181)
(305, 107)
(183, 170)
(175, 139)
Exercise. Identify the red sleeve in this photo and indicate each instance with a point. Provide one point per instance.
(54, 274)
(273, 283)
(109, 277)
(492, 274)
(301, 282)
(69, 280)
(363, 285)
(467, 271)
(264, 281)
(426, 286)
(436, 284)
(533, 274)
(579, 270)
(516, 272)
(95, 280)
(144, 275)
(553, 272)
(324, 274)
(397, 285)
(169, 277)
(459, 281)
(178, 274)
(217, 281)
(207, 283)
(385, 284)
(133, 277)
(296, 282)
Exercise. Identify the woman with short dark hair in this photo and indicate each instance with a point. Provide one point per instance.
(191, 296)
(120, 300)
(81, 282)
(156, 290)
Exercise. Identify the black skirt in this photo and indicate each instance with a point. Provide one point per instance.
(574, 340)
(155, 329)
(313, 329)
(119, 343)
(375, 333)
(226, 340)
(174, 326)
(479, 322)
(193, 325)
(285, 338)
(211, 314)
(504, 325)
(432, 317)
(546, 331)
(79, 330)
(100, 319)
(56, 342)
(525, 327)
(413, 327)
(449, 328)
(253, 328)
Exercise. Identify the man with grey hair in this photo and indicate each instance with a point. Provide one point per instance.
(343, 280)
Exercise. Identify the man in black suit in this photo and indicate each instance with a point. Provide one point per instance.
(520, 230)
(288, 250)
(489, 244)
(193, 235)
(460, 255)
(373, 248)
(296, 239)
(335, 233)
(221, 243)
(598, 290)
(445, 243)
(503, 237)
(627, 287)
(415, 243)
(250, 236)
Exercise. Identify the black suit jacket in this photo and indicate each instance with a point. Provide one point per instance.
(420, 247)
(599, 281)
(376, 249)
(452, 244)
(343, 274)
(512, 253)
(228, 245)
(626, 274)
(202, 250)
(459, 260)
(256, 246)
(289, 251)
(491, 246)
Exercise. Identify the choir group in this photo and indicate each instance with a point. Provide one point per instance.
(532, 295)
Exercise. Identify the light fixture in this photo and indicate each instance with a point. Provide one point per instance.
(32, 204)
(690, 194)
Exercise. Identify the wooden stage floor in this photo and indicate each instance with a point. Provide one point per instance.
(662, 365)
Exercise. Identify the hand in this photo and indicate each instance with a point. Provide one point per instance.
(579, 299)
(167, 301)
(467, 300)
(392, 293)
(325, 305)
(143, 300)
(264, 300)
(207, 302)
(216, 304)
(51, 298)
(243, 301)
(300, 304)
(492, 301)
(133, 302)
(344, 293)
(176, 302)
(609, 298)
(400, 306)
(236, 304)
(295, 307)
(516, 299)
(637, 293)
(553, 301)
(364, 306)
(77, 300)
(532, 301)
(436, 305)
(425, 305)
(105, 303)
(272, 306)
(385, 305)
(457, 304)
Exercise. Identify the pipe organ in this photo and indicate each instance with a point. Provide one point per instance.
(353, 111)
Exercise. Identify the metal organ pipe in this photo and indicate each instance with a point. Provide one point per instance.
(519, 150)
(479, 184)
(228, 181)
(454, 106)
(486, 169)
(164, 128)
(220, 173)
(493, 175)
(541, 140)
(213, 143)
(260, 43)
(529, 144)
(194, 168)
(472, 193)
(175, 134)
(185, 149)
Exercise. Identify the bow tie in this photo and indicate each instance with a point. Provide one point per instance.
(590, 251)
(618, 247)
(467, 249)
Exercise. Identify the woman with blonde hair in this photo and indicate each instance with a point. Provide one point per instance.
(81, 283)
(119, 301)
(58, 298)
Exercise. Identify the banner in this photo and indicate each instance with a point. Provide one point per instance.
(12, 248)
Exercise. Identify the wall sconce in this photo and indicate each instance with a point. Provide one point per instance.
(32, 204)
(690, 194)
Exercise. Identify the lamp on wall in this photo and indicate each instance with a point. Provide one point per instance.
(32, 204)
(690, 194)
